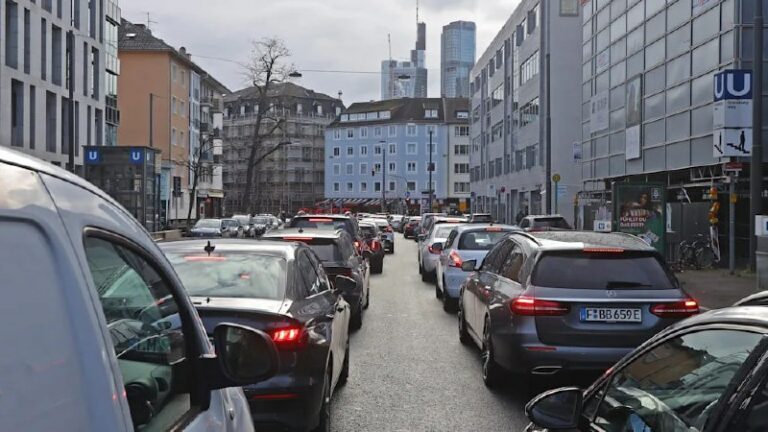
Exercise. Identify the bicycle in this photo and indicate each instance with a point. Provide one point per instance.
(697, 254)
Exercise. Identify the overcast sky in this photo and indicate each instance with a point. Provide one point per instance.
(322, 34)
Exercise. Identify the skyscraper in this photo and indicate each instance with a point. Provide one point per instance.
(401, 79)
(457, 57)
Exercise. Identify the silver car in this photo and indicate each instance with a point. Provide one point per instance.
(430, 248)
(545, 302)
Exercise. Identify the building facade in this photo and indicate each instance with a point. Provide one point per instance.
(457, 57)
(513, 154)
(647, 114)
(290, 175)
(384, 147)
(34, 87)
(160, 86)
(458, 183)
(112, 68)
(401, 79)
(210, 188)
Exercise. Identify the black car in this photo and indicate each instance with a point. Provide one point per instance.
(374, 243)
(347, 223)
(262, 225)
(339, 257)
(706, 373)
(281, 289)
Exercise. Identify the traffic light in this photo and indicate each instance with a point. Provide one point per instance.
(713, 213)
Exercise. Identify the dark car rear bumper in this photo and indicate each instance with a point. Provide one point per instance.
(286, 402)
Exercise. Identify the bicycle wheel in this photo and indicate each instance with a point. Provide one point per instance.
(705, 257)
(687, 255)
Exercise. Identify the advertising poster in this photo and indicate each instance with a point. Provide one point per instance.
(634, 104)
(598, 115)
(640, 209)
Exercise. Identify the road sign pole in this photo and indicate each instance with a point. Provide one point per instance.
(732, 223)
(756, 167)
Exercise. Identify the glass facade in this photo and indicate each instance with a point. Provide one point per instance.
(112, 65)
(457, 58)
(648, 70)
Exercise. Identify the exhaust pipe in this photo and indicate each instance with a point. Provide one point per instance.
(546, 370)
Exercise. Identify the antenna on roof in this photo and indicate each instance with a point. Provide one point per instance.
(150, 21)
(417, 12)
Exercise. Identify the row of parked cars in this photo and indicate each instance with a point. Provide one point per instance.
(542, 300)
(200, 334)
(238, 226)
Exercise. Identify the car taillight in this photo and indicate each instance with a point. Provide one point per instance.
(433, 251)
(288, 337)
(375, 245)
(681, 309)
(357, 244)
(530, 306)
(455, 259)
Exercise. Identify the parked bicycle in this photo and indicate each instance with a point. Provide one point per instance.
(697, 253)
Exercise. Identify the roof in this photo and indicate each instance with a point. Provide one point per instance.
(481, 226)
(743, 315)
(576, 240)
(305, 232)
(230, 245)
(408, 110)
(322, 216)
(454, 105)
(286, 89)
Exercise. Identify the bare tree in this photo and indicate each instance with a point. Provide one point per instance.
(198, 166)
(266, 69)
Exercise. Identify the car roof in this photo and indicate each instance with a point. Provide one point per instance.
(745, 315)
(449, 219)
(277, 248)
(322, 216)
(545, 216)
(305, 232)
(462, 228)
(577, 240)
(757, 299)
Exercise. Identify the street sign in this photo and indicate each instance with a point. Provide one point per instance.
(602, 226)
(92, 157)
(732, 143)
(556, 178)
(733, 167)
(732, 114)
(137, 156)
(407, 194)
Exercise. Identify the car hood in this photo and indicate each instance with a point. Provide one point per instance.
(232, 303)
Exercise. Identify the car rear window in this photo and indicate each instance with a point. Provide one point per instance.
(327, 251)
(481, 240)
(231, 274)
(323, 223)
(208, 223)
(551, 223)
(442, 231)
(482, 218)
(368, 231)
(612, 270)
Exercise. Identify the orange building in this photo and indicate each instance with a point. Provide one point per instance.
(154, 94)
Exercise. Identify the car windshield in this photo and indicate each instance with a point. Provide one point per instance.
(208, 223)
(480, 240)
(244, 220)
(321, 223)
(554, 222)
(231, 274)
(261, 220)
(601, 271)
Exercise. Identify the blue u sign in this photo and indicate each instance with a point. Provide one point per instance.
(92, 157)
(733, 84)
(137, 156)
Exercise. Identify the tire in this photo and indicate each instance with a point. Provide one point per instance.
(687, 255)
(324, 424)
(705, 257)
(392, 251)
(438, 293)
(492, 372)
(367, 298)
(356, 320)
(425, 276)
(344, 375)
(378, 268)
(463, 333)
(448, 304)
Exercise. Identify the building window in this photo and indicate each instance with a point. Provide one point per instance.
(94, 75)
(336, 186)
(497, 96)
(182, 108)
(461, 187)
(377, 167)
(529, 68)
(11, 34)
(392, 131)
(350, 151)
(461, 149)
(350, 169)
(336, 134)
(336, 169)
(350, 187)
(27, 40)
(410, 167)
(363, 132)
(411, 130)
(393, 167)
(461, 131)
(430, 167)
(173, 136)
(411, 148)
(17, 113)
(363, 187)
(44, 51)
(377, 150)
(377, 131)
(431, 129)
(363, 169)
(392, 186)
(50, 122)
(529, 112)
(430, 113)
(462, 115)
(364, 151)
(461, 168)
(337, 151)
(392, 148)
(350, 133)
(33, 116)
(377, 186)
(174, 70)
(411, 186)
(431, 147)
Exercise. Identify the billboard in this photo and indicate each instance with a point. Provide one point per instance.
(732, 114)
(634, 104)
(640, 209)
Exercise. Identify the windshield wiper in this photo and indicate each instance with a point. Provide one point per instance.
(625, 284)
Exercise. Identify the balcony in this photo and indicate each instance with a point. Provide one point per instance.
(213, 103)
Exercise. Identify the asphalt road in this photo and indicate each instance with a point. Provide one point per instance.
(408, 371)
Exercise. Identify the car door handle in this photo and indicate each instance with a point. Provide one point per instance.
(340, 308)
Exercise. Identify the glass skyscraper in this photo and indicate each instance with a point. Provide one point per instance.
(457, 57)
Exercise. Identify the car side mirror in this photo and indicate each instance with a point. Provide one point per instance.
(556, 409)
(469, 266)
(437, 247)
(344, 284)
(244, 356)
(421, 237)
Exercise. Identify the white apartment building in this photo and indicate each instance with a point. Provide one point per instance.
(34, 91)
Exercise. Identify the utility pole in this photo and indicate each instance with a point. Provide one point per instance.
(383, 177)
(71, 84)
(756, 168)
(548, 162)
(431, 168)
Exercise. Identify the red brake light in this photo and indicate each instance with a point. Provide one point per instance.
(456, 260)
(375, 245)
(602, 250)
(301, 239)
(493, 229)
(357, 244)
(681, 309)
(288, 337)
(530, 306)
(320, 220)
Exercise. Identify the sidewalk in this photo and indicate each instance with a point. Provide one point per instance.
(717, 288)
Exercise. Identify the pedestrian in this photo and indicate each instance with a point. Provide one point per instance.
(520, 216)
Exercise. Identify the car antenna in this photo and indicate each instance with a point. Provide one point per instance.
(301, 230)
(209, 248)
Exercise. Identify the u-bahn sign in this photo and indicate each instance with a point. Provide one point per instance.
(732, 114)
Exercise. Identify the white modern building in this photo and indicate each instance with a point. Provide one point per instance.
(514, 155)
(34, 93)
(401, 79)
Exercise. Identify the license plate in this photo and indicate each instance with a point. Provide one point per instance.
(611, 315)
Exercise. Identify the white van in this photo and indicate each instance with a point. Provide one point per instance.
(96, 330)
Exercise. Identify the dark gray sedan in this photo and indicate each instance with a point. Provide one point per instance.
(545, 302)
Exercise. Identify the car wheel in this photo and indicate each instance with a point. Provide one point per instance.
(344, 375)
(377, 268)
(492, 372)
(368, 298)
(356, 320)
(438, 293)
(463, 333)
(325, 408)
(424, 275)
(448, 303)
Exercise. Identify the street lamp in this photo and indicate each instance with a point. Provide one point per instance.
(383, 176)
(431, 168)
